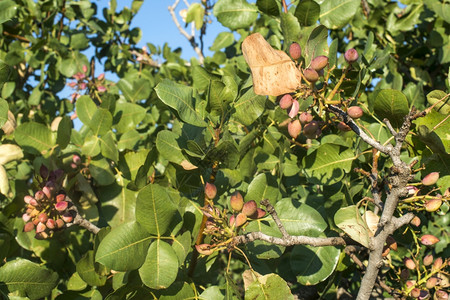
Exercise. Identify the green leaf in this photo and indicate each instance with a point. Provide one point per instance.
(73, 64)
(336, 14)
(235, 14)
(195, 13)
(167, 145)
(108, 147)
(312, 265)
(8, 10)
(136, 90)
(160, 268)
(101, 171)
(79, 41)
(442, 107)
(268, 287)
(299, 218)
(180, 98)
(4, 107)
(124, 248)
(64, 132)
(307, 12)
(316, 44)
(85, 109)
(290, 27)
(202, 78)
(434, 136)
(118, 203)
(91, 146)
(261, 249)
(128, 116)
(155, 210)
(327, 164)
(28, 279)
(35, 97)
(5, 70)
(269, 7)
(222, 40)
(128, 140)
(101, 121)
(391, 104)
(263, 186)
(34, 137)
(350, 221)
(182, 246)
(249, 107)
(91, 272)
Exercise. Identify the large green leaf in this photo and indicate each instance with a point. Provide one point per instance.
(307, 12)
(434, 132)
(118, 203)
(261, 249)
(269, 7)
(268, 287)
(316, 44)
(4, 107)
(180, 98)
(350, 221)
(101, 121)
(442, 107)
(91, 272)
(235, 14)
(155, 210)
(124, 248)
(312, 265)
(160, 267)
(101, 171)
(391, 104)
(64, 132)
(299, 218)
(167, 145)
(263, 186)
(85, 109)
(8, 10)
(223, 40)
(249, 107)
(135, 90)
(34, 137)
(128, 116)
(290, 27)
(28, 278)
(73, 64)
(327, 164)
(337, 13)
(195, 13)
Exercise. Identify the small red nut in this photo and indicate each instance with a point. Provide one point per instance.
(404, 274)
(210, 191)
(431, 178)
(59, 223)
(295, 51)
(204, 249)
(249, 209)
(61, 206)
(433, 205)
(60, 197)
(40, 227)
(27, 199)
(305, 117)
(311, 75)
(260, 213)
(437, 264)
(76, 159)
(28, 227)
(428, 260)
(39, 195)
(43, 217)
(43, 171)
(431, 282)
(343, 127)
(415, 221)
(231, 221)
(67, 217)
(241, 218)
(355, 112)
(429, 239)
(236, 202)
(47, 192)
(286, 101)
(319, 62)
(415, 293)
(391, 242)
(410, 283)
(294, 128)
(294, 109)
(440, 295)
(409, 263)
(51, 224)
(351, 55)
(386, 251)
(26, 217)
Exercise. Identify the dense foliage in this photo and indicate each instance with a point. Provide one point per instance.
(177, 160)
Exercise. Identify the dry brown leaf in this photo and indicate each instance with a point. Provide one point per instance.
(372, 222)
(187, 165)
(10, 125)
(273, 71)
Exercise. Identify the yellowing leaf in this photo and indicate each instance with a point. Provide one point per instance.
(274, 73)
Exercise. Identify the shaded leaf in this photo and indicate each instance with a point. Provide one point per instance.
(391, 104)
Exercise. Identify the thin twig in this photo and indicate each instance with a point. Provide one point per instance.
(190, 38)
(271, 210)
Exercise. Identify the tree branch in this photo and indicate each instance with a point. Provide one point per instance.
(190, 38)
(290, 240)
(79, 220)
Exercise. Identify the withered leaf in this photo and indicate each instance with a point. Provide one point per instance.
(273, 71)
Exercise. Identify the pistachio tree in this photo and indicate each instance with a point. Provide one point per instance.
(306, 157)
